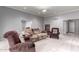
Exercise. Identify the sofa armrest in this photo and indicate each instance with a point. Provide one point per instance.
(19, 47)
(22, 47)
(31, 45)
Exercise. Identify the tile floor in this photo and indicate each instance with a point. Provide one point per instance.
(66, 43)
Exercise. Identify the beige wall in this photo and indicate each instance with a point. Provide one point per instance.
(11, 20)
(58, 20)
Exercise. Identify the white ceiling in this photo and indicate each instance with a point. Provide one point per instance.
(51, 10)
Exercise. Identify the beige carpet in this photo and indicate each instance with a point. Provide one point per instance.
(66, 43)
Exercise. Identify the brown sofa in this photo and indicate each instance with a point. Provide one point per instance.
(35, 34)
(38, 35)
(16, 45)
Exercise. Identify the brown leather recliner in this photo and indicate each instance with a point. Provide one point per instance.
(16, 45)
(54, 33)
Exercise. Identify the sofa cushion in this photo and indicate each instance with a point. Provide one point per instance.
(36, 31)
(34, 36)
(28, 30)
(42, 34)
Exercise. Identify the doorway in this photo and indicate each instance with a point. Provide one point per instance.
(69, 26)
(47, 28)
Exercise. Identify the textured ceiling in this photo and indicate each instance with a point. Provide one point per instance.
(51, 10)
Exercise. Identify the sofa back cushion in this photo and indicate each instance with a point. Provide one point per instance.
(36, 31)
(55, 30)
(28, 30)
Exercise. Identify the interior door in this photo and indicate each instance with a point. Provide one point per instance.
(47, 27)
(71, 26)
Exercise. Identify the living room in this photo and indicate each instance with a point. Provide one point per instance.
(41, 18)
